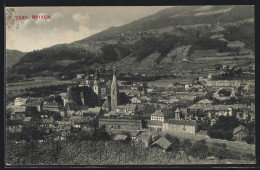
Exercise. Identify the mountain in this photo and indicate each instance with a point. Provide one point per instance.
(166, 42)
(13, 57)
(180, 15)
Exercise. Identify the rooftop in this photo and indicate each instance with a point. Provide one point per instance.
(120, 137)
(163, 143)
(158, 113)
(154, 122)
(182, 122)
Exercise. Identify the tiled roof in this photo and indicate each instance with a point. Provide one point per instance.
(237, 129)
(120, 120)
(216, 107)
(163, 143)
(131, 107)
(158, 113)
(205, 101)
(51, 104)
(182, 122)
(20, 109)
(120, 137)
(154, 122)
(47, 121)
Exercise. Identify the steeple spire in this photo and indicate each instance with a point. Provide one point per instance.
(96, 75)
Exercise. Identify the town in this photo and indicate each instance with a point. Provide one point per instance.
(130, 85)
(133, 111)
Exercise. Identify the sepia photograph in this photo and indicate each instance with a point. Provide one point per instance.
(129, 85)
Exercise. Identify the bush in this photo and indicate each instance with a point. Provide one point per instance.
(223, 128)
(199, 149)
(249, 139)
(224, 92)
(175, 142)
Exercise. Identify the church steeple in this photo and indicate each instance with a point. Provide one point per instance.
(88, 81)
(96, 87)
(114, 92)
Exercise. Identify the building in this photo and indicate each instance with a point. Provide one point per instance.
(35, 103)
(68, 98)
(223, 83)
(121, 124)
(218, 110)
(157, 116)
(136, 100)
(155, 125)
(91, 112)
(114, 92)
(240, 132)
(188, 127)
(51, 106)
(47, 123)
(146, 139)
(177, 114)
(162, 143)
(96, 86)
(19, 101)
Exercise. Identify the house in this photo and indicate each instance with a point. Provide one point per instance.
(19, 101)
(223, 83)
(91, 112)
(150, 90)
(80, 76)
(202, 133)
(120, 137)
(136, 100)
(27, 120)
(240, 132)
(121, 124)
(146, 139)
(80, 122)
(135, 134)
(47, 123)
(162, 143)
(212, 121)
(145, 99)
(157, 116)
(62, 125)
(35, 103)
(218, 110)
(204, 102)
(51, 106)
(188, 127)
(19, 109)
(186, 86)
(130, 108)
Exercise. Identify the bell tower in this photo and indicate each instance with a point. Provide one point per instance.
(96, 86)
(114, 92)
(88, 81)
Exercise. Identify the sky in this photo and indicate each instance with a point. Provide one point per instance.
(66, 24)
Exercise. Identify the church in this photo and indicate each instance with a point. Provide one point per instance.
(89, 93)
(112, 101)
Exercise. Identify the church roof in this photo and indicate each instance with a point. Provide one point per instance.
(107, 103)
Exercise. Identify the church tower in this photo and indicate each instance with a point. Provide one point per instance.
(114, 92)
(88, 81)
(96, 86)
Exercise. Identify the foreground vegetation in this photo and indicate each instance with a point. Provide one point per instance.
(97, 148)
